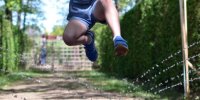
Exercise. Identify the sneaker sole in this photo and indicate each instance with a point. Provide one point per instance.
(120, 50)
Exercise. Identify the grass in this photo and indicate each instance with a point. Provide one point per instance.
(112, 84)
(8, 79)
(96, 79)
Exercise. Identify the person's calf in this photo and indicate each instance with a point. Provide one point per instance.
(70, 41)
(75, 40)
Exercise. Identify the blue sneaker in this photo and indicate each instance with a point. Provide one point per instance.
(90, 49)
(121, 47)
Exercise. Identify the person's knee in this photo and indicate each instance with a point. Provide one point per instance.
(68, 40)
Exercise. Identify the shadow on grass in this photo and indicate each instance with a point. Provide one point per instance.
(63, 88)
(18, 76)
(34, 70)
(104, 82)
(44, 88)
(113, 83)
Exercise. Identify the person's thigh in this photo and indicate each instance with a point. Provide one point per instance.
(74, 29)
(99, 12)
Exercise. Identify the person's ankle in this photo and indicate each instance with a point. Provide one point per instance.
(90, 37)
(116, 37)
(89, 40)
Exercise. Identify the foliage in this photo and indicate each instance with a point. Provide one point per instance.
(58, 30)
(152, 29)
(112, 84)
(13, 40)
(122, 3)
(107, 82)
(18, 76)
(8, 54)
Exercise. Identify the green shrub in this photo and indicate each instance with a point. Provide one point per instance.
(8, 49)
(152, 29)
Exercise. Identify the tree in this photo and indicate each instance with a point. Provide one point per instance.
(12, 38)
(8, 11)
(8, 54)
(58, 30)
(31, 7)
(62, 10)
(121, 4)
(23, 8)
(116, 4)
(19, 11)
(33, 30)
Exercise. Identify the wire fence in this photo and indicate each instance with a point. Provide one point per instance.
(58, 54)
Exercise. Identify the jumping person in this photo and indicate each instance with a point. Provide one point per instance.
(83, 14)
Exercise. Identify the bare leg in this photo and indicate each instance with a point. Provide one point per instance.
(104, 9)
(74, 33)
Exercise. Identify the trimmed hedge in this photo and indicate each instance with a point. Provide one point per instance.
(152, 29)
(7, 48)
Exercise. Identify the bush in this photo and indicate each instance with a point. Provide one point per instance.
(152, 29)
(8, 49)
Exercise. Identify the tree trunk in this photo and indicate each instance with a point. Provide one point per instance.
(117, 4)
(19, 16)
(8, 12)
(19, 20)
(136, 1)
(24, 21)
(1, 30)
(25, 14)
(1, 27)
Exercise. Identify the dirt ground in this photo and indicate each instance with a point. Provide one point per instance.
(57, 86)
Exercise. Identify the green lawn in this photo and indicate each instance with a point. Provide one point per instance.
(112, 84)
(18, 76)
(97, 80)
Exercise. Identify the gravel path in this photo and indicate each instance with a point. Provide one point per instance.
(57, 86)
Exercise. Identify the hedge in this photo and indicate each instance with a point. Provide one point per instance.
(152, 29)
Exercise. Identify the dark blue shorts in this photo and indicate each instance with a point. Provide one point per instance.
(82, 10)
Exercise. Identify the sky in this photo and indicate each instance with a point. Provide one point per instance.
(52, 9)
(52, 14)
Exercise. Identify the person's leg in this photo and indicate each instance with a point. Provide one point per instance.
(76, 33)
(42, 60)
(103, 11)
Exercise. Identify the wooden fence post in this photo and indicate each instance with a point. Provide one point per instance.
(183, 16)
(53, 56)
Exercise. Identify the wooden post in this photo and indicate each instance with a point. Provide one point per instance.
(53, 56)
(183, 16)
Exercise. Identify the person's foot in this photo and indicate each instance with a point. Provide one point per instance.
(90, 49)
(121, 47)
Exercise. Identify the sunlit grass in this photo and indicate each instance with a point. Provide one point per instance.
(17, 76)
(112, 84)
(98, 80)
